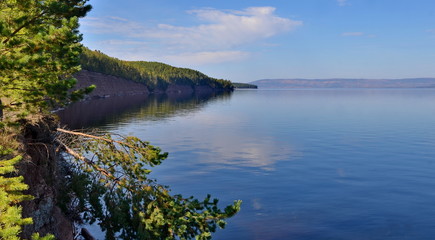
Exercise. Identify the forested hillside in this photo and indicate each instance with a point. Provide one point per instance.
(244, 85)
(153, 74)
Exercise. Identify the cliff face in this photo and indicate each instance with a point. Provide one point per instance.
(41, 170)
(108, 85)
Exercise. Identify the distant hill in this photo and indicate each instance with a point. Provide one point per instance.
(346, 83)
(156, 76)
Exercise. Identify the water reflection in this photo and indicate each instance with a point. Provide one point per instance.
(116, 110)
(363, 169)
(234, 149)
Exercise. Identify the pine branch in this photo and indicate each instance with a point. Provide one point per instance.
(23, 26)
(76, 155)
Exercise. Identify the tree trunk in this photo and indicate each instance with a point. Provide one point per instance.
(1, 111)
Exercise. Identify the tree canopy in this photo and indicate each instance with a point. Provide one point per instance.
(39, 52)
(153, 74)
(245, 85)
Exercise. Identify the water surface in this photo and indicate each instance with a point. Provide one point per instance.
(308, 164)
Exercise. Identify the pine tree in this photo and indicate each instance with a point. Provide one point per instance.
(10, 195)
(39, 52)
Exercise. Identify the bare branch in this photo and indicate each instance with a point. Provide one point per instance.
(85, 160)
(97, 137)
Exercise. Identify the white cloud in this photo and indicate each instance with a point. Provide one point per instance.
(123, 42)
(342, 2)
(201, 58)
(119, 18)
(109, 25)
(352, 34)
(357, 34)
(227, 29)
(217, 39)
(136, 51)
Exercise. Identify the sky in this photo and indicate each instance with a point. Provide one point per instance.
(244, 41)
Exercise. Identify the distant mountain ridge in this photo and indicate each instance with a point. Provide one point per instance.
(346, 83)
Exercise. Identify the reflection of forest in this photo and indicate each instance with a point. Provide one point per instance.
(111, 110)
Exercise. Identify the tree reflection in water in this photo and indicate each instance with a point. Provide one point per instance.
(104, 111)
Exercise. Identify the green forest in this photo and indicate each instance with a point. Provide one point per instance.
(244, 85)
(153, 74)
(51, 175)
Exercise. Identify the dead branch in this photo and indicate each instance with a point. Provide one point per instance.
(97, 137)
(85, 160)
(86, 234)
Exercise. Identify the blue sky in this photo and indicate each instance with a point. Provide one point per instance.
(246, 40)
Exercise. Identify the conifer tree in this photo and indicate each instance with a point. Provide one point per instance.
(39, 52)
(10, 195)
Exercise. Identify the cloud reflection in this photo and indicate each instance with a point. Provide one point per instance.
(222, 149)
(216, 140)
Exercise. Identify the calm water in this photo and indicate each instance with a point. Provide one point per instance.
(308, 164)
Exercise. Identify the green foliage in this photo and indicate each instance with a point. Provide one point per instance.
(245, 85)
(153, 74)
(10, 195)
(114, 189)
(36, 236)
(39, 52)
